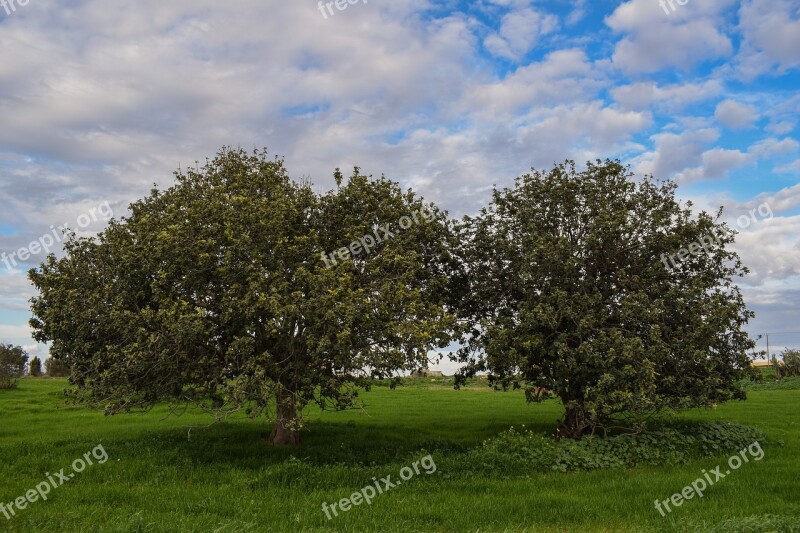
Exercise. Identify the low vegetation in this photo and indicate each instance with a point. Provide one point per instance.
(524, 451)
(166, 475)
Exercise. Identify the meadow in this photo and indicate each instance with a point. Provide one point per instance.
(179, 473)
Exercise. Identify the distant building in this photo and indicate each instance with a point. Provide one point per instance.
(425, 373)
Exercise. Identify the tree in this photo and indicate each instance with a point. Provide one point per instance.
(221, 292)
(13, 362)
(36, 367)
(573, 291)
(56, 369)
(791, 363)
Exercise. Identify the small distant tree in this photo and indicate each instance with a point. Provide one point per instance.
(777, 367)
(13, 362)
(36, 367)
(791, 363)
(56, 369)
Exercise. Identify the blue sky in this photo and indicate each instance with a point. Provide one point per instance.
(99, 99)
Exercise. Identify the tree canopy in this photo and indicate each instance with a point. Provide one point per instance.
(569, 294)
(240, 288)
(36, 367)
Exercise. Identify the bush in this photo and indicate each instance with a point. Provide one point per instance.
(56, 369)
(791, 363)
(13, 362)
(36, 367)
(792, 383)
(766, 372)
(514, 451)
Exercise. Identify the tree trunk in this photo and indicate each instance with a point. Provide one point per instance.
(574, 424)
(286, 431)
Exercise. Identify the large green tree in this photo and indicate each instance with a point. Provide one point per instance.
(233, 290)
(573, 291)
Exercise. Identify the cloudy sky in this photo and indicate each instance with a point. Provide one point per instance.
(99, 99)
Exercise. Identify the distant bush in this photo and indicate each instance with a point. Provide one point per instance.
(791, 363)
(36, 367)
(56, 369)
(13, 362)
(766, 372)
(523, 450)
(792, 383)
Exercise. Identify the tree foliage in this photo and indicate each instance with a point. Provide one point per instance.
(54, 368)
(36, 367)
(13, 363)
(568, 294)
(214, 293)
(791, 363)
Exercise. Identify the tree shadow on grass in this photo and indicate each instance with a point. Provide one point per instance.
(242, 444)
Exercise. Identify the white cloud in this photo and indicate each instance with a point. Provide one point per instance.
(561, 77)
(653, 40)
(675, 152)
(790, 168)
(773, 147)
(519, 32)
(578, 13)
(772, 28)
(736, 115)
(769, 244)
(783, 201)
(14, 332)
(642, 95)
(716, 164)
(767, 247)
(15, 291)
(781, 128)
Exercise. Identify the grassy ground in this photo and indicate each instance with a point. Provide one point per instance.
(161, 477)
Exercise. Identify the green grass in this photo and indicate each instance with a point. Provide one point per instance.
(162, 477)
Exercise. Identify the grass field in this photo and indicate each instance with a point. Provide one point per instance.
(159, 476)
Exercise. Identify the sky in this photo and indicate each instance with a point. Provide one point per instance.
(99, 99)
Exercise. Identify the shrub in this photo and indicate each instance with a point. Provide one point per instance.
(56, 369)
(523, 450)
(766, 372)
(13, 361)
(791, 363)
(36, 367)
(792, 383)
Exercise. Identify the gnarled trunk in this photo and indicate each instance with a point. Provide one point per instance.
(287, 430)
(574, 424)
